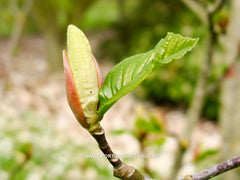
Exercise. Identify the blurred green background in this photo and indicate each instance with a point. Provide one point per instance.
(122, 28)
(32, 36)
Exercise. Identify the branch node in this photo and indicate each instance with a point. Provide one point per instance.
(126, 172)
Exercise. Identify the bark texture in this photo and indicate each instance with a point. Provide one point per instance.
(215, 170)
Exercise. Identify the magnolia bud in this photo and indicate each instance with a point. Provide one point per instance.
(83, 78)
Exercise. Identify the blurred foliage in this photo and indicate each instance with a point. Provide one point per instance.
(205, 155)
(6, 19)
(150, 132)
(139, 26)
(30, 150)
(174, 85)
(126, 28)
(100, 15)
(151, 126)
(30, 147)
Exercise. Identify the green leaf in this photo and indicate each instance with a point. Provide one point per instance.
(120, 131)
(159, 142)
(206, 154)
(129, 73)
(148, 126)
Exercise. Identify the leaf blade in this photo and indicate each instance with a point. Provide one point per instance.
(110, 93)
(129, 73)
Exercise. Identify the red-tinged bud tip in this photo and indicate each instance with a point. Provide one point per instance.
(99, 75)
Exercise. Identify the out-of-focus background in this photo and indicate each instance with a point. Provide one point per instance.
(187, 113)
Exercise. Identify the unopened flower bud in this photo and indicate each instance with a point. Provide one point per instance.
(83, 78)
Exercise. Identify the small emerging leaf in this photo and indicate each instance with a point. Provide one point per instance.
(129, 73)
(120, 131)
(206, 154)
(159, 141)
(148, 126)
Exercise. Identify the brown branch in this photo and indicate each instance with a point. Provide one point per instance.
(104, 147)
(215, 170)
(121, 170)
